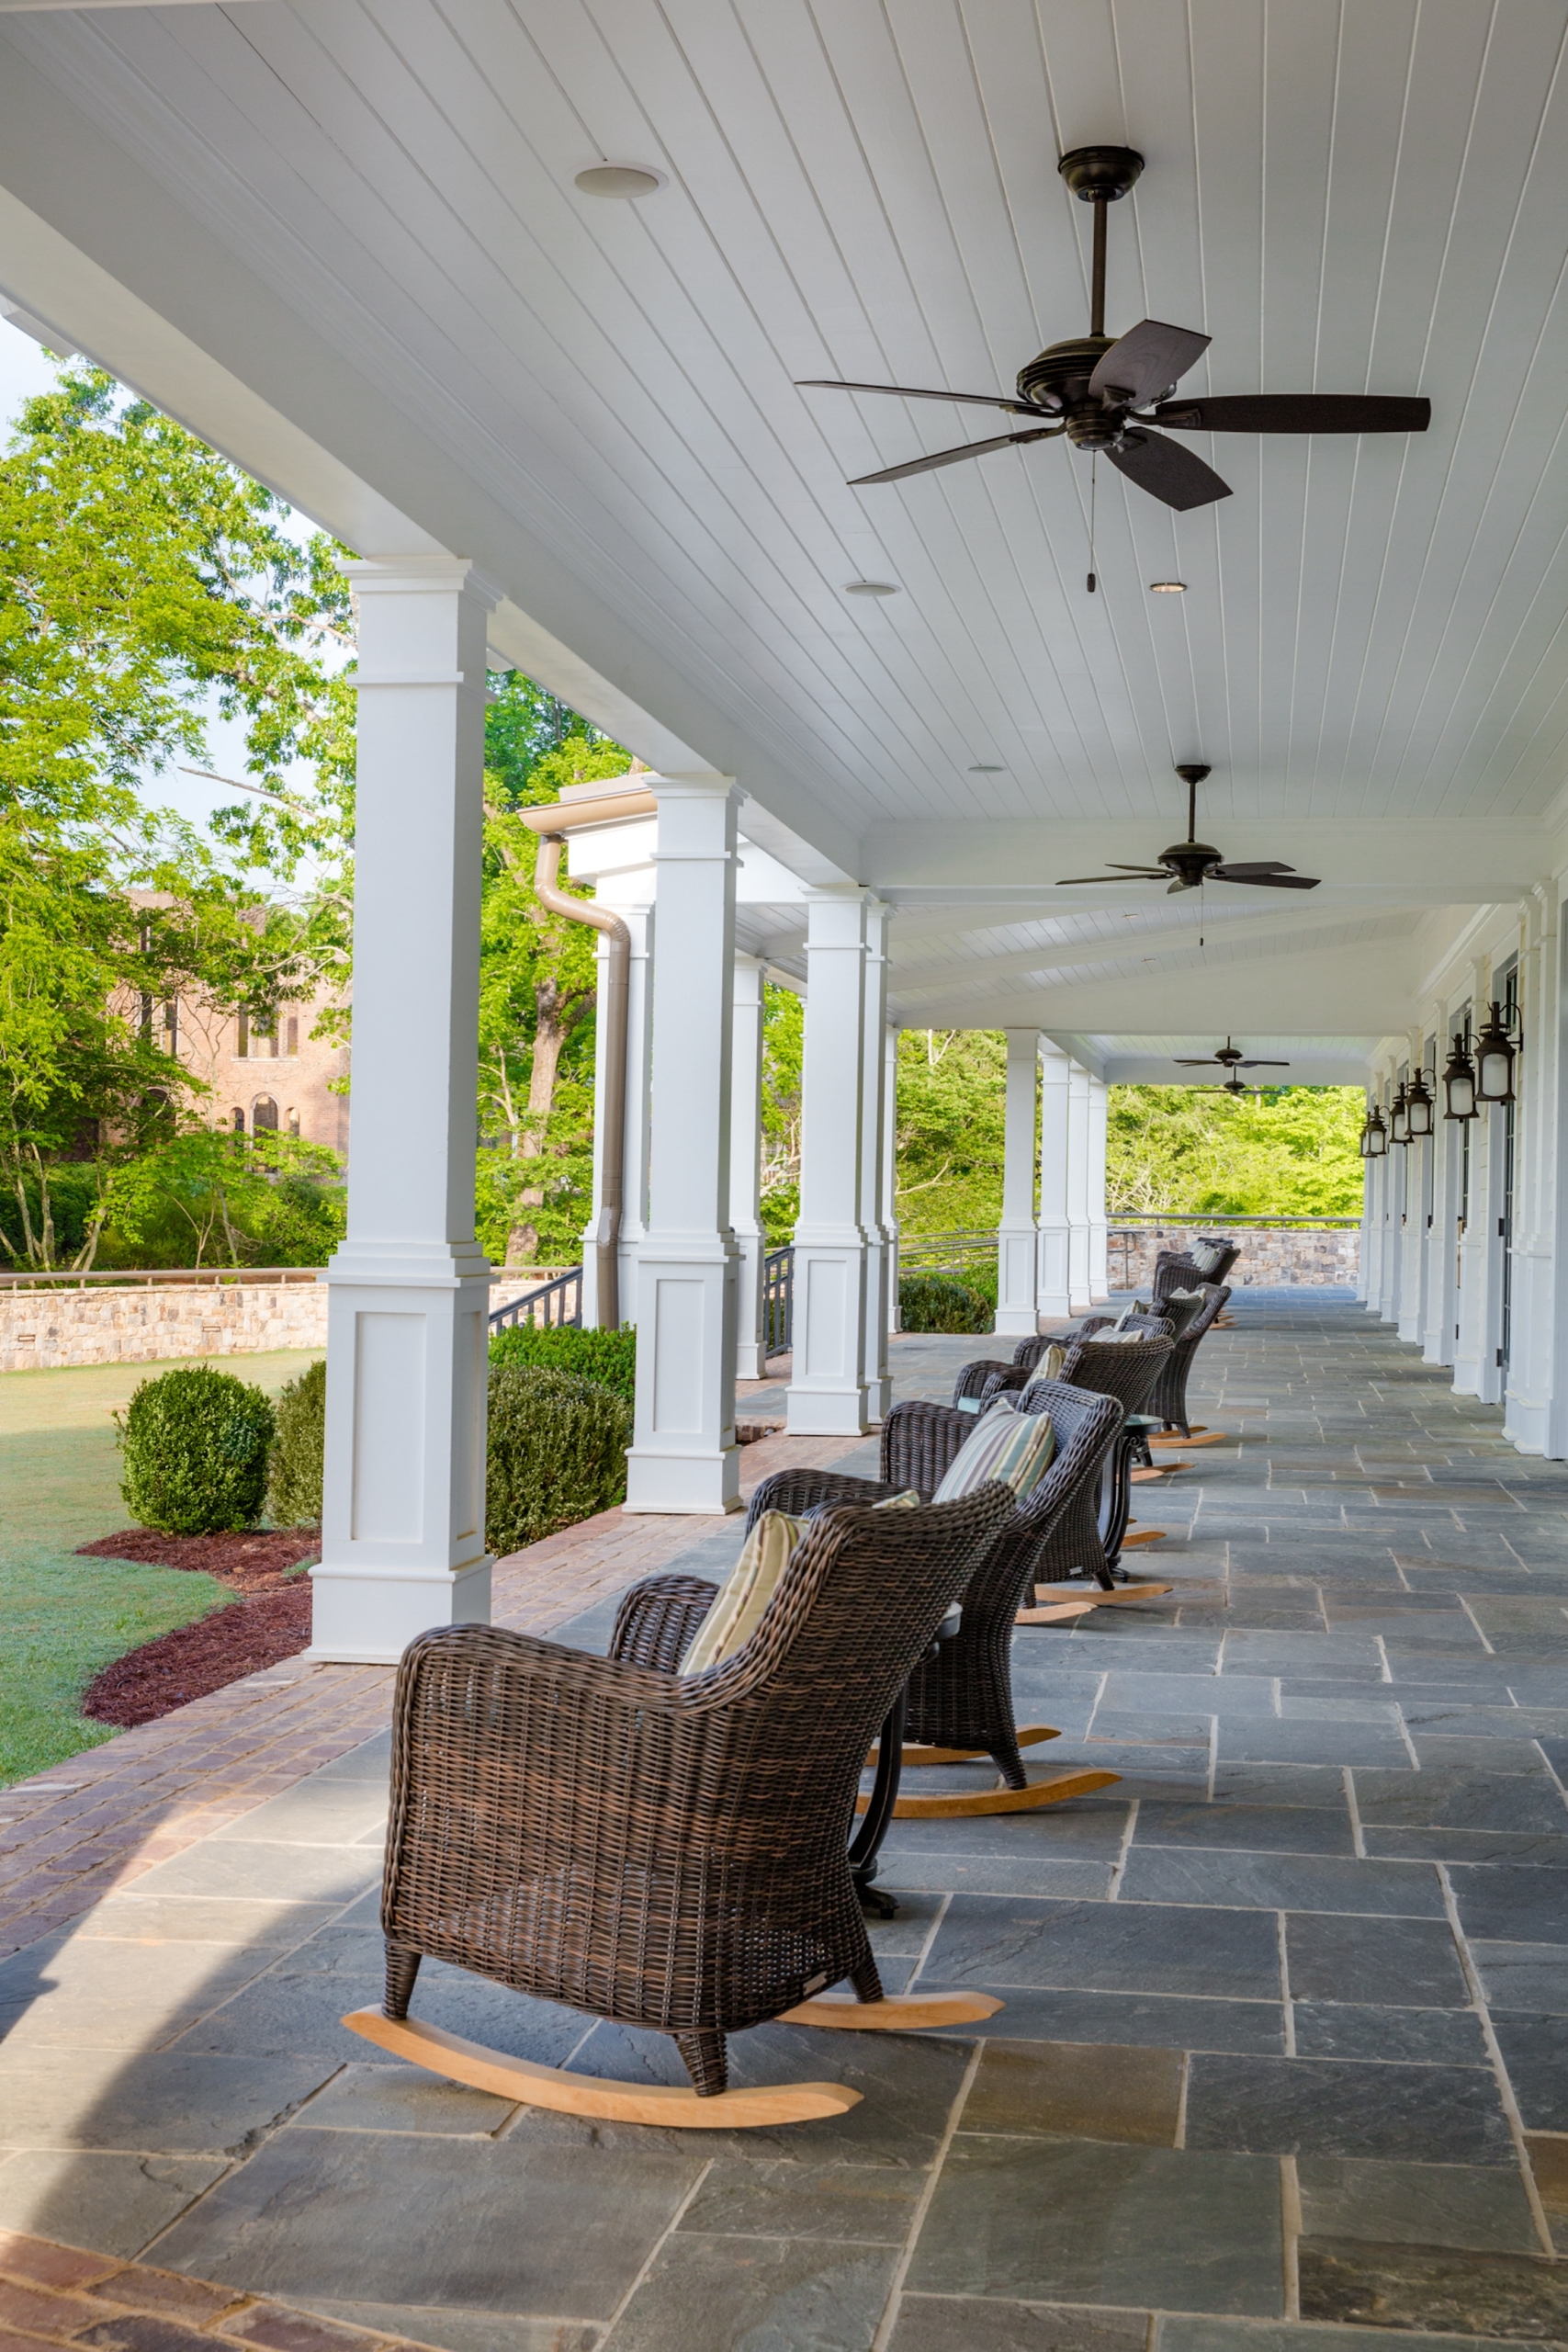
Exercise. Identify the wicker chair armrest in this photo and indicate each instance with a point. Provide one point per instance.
(801, 1490)
(658, 1620)
(919, 1440)
(1092, 1323)
(1006, 1381)
(971, 1381)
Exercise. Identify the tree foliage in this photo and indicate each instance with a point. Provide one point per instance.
(1179, 1150)
(951, 1129)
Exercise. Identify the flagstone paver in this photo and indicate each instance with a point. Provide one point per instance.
(1283, 2060)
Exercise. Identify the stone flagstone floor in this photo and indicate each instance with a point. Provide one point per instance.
(1284, 2058)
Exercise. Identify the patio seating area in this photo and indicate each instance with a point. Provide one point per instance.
(1283, 2058)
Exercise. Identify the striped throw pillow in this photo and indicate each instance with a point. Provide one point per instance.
(1015, 1447)
(741, 1601)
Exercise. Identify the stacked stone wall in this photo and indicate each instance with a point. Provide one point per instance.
(1312, 1257)
(139, 1321)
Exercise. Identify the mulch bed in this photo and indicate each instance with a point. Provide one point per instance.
(269, 1620)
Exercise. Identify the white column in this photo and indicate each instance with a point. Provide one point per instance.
(1472, 1317)
(1017, 1239)
(1437, 1289)
(1412, 1230)
(1077, 1188)
(1365, 1286)
(1553, 1077)
(745, 1163)
(878, 1379)
(1529, 1399)
(684, 1455)
(1099, 1226)
(634, 1172)
(1393, 1209)
(1052, 1289)
(890, 1171)
(402, 1530)
(827, 1390)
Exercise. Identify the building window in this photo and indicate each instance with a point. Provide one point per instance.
(243, 1044)
(293, 1122)
(239, 1121)
(264, 1115)
(293, 1033)
(172, 1025)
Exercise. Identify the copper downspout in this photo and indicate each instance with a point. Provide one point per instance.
(613, 1045)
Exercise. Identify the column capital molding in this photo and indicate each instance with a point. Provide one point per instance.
(410, 575)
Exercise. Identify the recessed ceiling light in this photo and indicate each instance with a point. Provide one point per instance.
(870, 588)
(986, 767)
(618, 179)
(1167, 587)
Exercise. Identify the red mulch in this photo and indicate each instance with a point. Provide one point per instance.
(269, 1620)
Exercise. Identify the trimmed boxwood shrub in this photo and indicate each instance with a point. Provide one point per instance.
(195, 1444)
(557, 1453)
(294, 1474)
(939, 1303)
(608, 1358)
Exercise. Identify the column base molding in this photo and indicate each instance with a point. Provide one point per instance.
(696, 1484)
(830, 1413)
(397, 1603)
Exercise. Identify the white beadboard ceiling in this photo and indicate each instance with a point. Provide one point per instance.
(598, 399)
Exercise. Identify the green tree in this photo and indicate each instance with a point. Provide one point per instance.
(537, 987)
(783, 1046)
(141, 578)
(951, 1129)
(1181, 1150)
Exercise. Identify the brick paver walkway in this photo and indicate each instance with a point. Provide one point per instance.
(74, 1834)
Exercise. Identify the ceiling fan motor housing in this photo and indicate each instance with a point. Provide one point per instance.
(1093, 172)
(1058, 379)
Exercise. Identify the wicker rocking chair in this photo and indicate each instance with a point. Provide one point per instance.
(960, 1701)
(1167, 1400)
(662, 1850)
(1175, 1271)
(972, 1381)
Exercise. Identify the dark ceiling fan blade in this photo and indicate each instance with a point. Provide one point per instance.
(1263, 1064)
(955, 457)
(1255, 869)
(1146, 361)
(1167, 471)
(1132, 874)
(911, 392)
(1296, 412)
(1288, 881)
(1196, 1061)
(1152, 873)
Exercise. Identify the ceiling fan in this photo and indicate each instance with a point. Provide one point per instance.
(1189, 865)
(1229, 1057)
(1105, 393)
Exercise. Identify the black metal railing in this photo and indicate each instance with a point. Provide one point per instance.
(929, 1253)
(555, 1305)
(778, 1301)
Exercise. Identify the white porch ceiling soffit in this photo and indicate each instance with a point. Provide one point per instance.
(352, 230)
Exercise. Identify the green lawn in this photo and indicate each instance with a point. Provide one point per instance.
(62, 1619)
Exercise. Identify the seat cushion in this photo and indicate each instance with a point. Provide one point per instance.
(741, 1601)
(1015, 1447)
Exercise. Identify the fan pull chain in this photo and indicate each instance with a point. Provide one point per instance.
(1094, 460)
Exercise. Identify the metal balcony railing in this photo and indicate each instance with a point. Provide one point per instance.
(778, 1301)
(555, 1305)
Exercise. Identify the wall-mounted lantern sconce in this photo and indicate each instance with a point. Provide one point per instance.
(1418, 1108)
(1458, 1084)
(1377, 1135)
(1495, 1053)
(1399, 1118)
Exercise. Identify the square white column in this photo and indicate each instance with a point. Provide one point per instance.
(402, 1526)
(1018, 1237)
(745, 1164)
(1371, 1238)
(684, 1456)
(1412, 1224)
(1052, 1288)
(1099, 1223)
(638, 921)
(1532, 1356)
(875, 1375)
(890, 1171)
(827, 1390)
(1077, 1188)
(1392, 1207)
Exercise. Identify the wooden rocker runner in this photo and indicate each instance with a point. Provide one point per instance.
(662, 1850)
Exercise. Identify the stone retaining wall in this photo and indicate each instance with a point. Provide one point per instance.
(1311, 1256)
(142, 1322)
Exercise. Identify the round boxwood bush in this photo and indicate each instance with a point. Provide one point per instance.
(939, 1303)
(557, 1453)
(195, 1444)
(607, 1357)
(294, 1473)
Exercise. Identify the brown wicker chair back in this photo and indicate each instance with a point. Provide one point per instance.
(1168, 1398)
(1174, 1270)
(661, 1850)
(1112, 1368)
(963, 1698)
